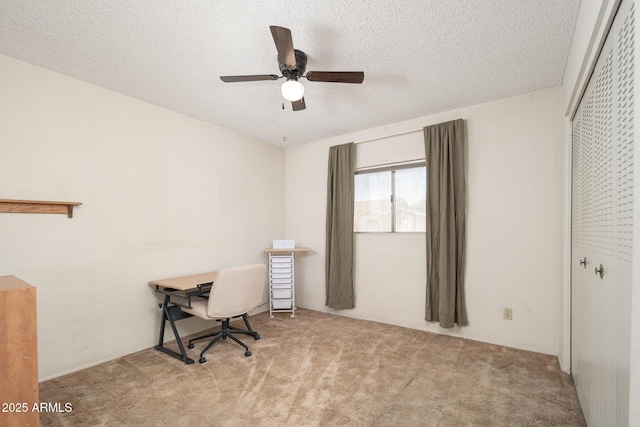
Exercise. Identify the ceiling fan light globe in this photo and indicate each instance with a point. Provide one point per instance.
(292, 90)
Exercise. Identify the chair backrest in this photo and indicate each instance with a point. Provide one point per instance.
(237, 290)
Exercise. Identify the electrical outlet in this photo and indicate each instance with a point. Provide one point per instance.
(507, 313)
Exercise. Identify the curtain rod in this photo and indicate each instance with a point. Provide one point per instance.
(384, 166)
(389, 136)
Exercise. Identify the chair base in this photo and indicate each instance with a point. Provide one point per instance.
(223, 333)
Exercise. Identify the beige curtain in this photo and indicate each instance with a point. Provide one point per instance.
(445, 152)
(339, 250)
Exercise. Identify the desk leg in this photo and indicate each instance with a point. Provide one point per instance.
(168, 316)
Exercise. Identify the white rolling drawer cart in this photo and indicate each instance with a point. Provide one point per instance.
(282, 292)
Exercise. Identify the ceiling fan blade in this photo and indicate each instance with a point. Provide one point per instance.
(298, 105)
(284, 44)
(336, 76)
(257, 77)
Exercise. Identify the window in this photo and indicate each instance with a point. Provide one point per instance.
(391, 200)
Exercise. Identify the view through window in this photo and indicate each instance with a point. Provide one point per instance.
(392, 200)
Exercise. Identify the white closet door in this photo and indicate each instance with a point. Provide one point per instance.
(602, 214)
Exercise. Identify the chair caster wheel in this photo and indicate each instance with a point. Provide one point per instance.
(247, 353)
(190, 345)
(202, 360)
(256, 337)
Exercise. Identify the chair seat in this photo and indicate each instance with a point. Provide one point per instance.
(235, 292)
(198, 308)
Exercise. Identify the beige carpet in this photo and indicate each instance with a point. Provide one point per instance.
(319, 369)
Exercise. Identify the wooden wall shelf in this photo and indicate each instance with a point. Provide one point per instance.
(37, 206)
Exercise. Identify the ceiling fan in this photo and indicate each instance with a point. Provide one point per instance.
(293, 63)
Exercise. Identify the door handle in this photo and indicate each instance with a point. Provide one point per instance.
(600, 271)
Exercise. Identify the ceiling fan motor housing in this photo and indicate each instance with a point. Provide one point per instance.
(297, 71)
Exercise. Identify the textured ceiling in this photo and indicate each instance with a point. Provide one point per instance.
(419, 57)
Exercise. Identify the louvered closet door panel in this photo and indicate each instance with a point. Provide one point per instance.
(623, 205)
(602, 221)
(592, 346)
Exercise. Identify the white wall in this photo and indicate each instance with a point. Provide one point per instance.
(163, 195)
(514, 224)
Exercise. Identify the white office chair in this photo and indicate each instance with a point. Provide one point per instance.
(235, 292)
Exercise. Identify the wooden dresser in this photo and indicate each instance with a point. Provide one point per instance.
(18, 353)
